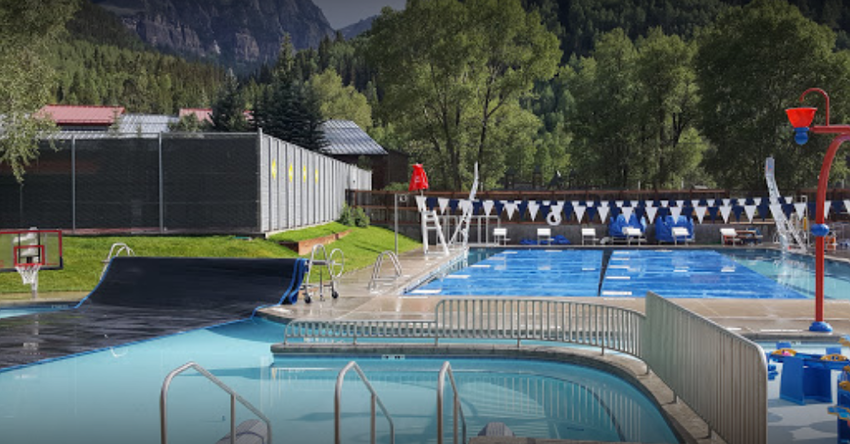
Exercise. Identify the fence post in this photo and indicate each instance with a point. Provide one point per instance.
(74, 184)
(161, 191)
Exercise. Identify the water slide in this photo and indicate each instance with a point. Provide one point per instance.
(142, 298)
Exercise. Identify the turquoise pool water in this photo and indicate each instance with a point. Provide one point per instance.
(21, 311)
(676, 273)
(112, 395)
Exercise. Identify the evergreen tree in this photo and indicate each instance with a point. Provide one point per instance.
(228, 111)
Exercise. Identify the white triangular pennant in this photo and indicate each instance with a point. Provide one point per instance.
(827, 206)
(675, 212)
(619, 203)
(650, 213)
(679, 203)
(579, 210)
(627, 212)
(649, 204)
(603, 214)
(700, 213)
(420, 203)
(465, 206)
(664, 203)
(547, 202)
(757, 201)
(789, 199)
(443, 202)
(590, 203)
(574, 203)
(533, 206)
(695, 203)
(487, 205)
(751, 211)
(726, 202)
(635, 203)
(725, 211)
(847, 206)
(603, 203)
(510, 208)
(800, 209)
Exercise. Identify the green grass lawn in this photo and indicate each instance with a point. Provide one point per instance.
(83, 256)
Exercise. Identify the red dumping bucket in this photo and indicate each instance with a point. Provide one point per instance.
(801, 117)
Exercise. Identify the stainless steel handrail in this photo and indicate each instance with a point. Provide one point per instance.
(163, 398)
(375, 400)
(607, 327)
(376, 270)
(457, 408)
(721, 375)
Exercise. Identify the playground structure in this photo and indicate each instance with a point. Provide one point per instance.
(801, 118)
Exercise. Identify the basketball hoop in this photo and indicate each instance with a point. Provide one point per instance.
(29, 274)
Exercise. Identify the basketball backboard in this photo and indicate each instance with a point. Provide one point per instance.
(30, 247)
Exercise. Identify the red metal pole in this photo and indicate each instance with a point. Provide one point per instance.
(823, 183)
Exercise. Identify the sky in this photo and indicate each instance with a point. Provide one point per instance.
(342, 13)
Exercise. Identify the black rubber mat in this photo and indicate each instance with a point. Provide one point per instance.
(142, 298)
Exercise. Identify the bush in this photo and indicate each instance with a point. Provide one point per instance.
(360, 218)
(347, 216)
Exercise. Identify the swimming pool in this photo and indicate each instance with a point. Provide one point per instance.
(11, 312)
(677, 273)
(111, 395)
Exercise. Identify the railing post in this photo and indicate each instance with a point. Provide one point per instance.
(374, 401)
(232, 419)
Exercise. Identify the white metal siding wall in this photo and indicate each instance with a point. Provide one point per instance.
(315, 192)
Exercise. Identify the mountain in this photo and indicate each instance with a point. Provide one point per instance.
(351, 31)
(227, 31)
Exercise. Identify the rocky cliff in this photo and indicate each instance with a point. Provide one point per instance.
(230, 31)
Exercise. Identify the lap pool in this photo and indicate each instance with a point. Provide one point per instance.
(674, 273)
(112, 395)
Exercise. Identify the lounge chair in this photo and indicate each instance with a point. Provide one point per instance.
(729, 236)
(681, 234)
(633, 234)
(589, 234)
(500, 235)
(545, 235)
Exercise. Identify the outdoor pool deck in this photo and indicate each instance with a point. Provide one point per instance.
(755, 318)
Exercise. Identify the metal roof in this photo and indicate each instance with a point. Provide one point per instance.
(82, 115)
(145, 123)
(345, 138)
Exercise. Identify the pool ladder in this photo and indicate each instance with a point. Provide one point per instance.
(457, 408)
(379, 263)
(376, 401)
(250, 428)
(115, 251)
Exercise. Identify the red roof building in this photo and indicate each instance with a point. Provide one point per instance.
(203, 114)
(82, 117)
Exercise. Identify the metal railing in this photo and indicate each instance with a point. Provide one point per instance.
(375, 401)
(163, 398)
(457, 408)
(563, 321)
(376, 271)
(719, 374)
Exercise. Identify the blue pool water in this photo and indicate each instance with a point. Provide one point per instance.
(687, 274)
(726, 273)
(112, 395)
(20, 311)
(525, 273)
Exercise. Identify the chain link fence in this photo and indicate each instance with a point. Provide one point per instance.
(178, 183)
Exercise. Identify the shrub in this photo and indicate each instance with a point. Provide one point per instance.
(347, 216)
(360, 218)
